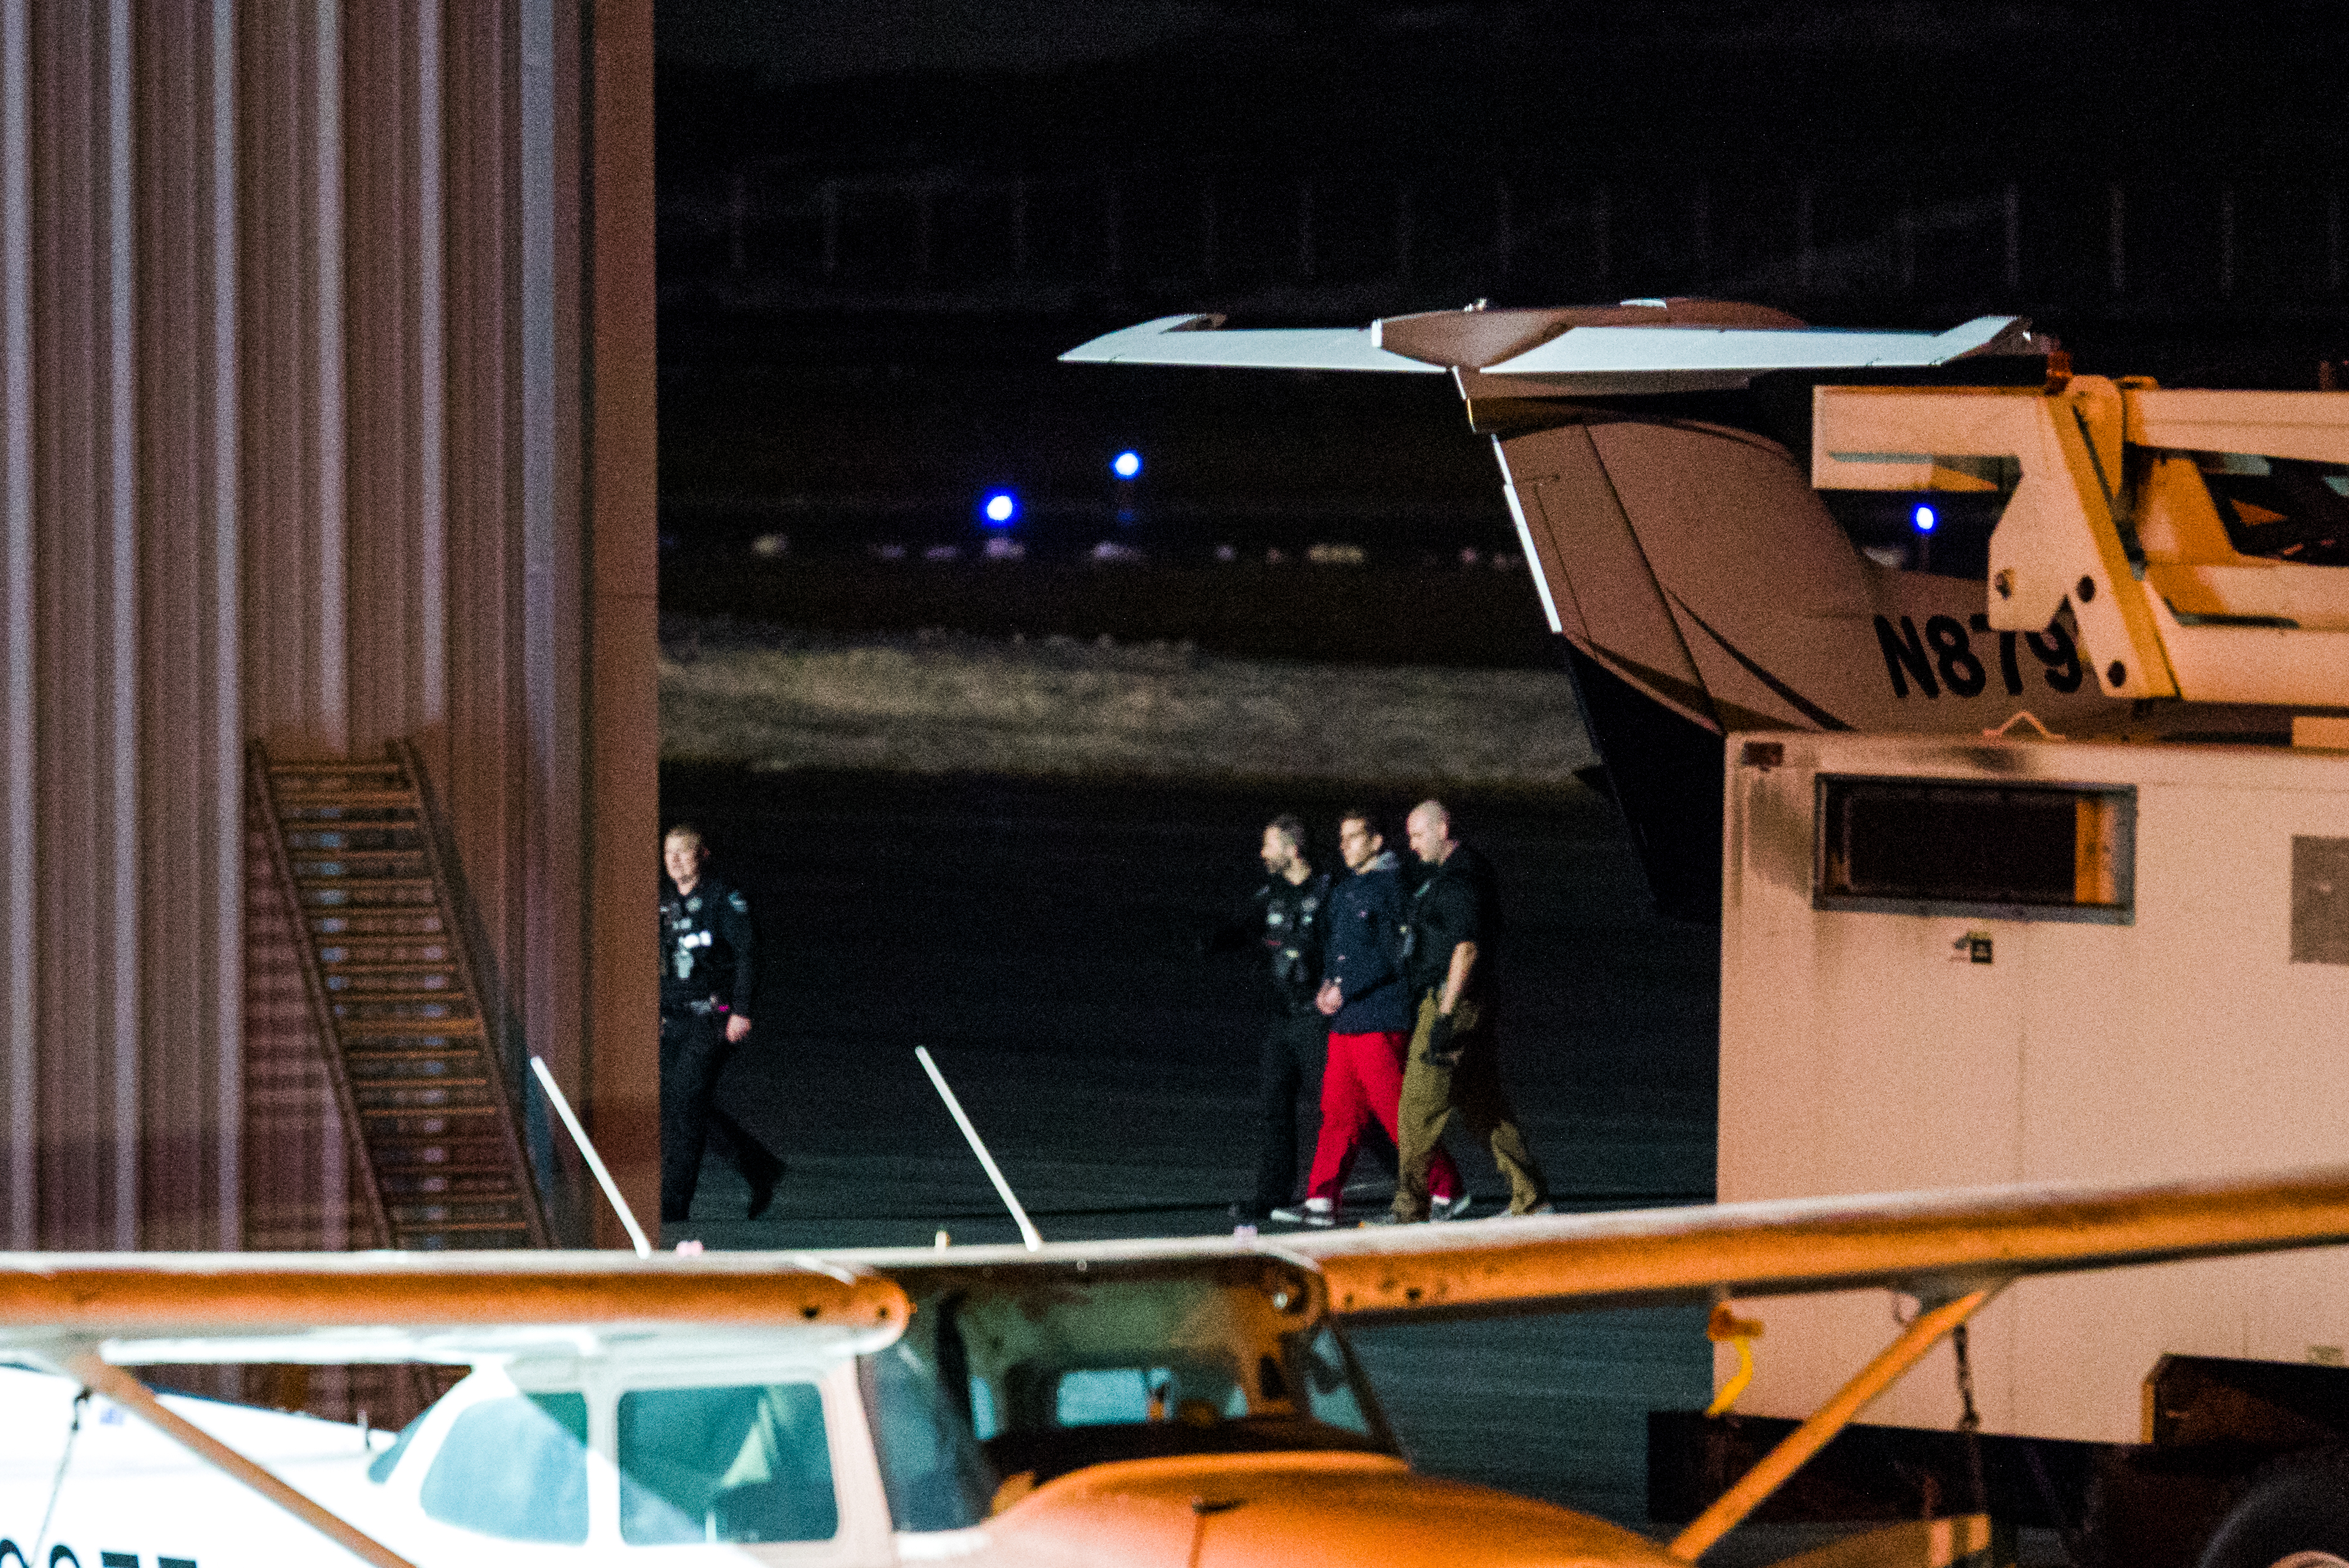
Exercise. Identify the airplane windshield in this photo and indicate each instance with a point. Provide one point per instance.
(514, 1467)
(736, 1464)
(987, 1397)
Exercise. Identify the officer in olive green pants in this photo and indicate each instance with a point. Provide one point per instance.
(1453, 1066)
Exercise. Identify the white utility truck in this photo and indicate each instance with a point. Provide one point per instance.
(2025, 955)
(1950, 962)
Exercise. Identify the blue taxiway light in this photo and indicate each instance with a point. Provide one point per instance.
(1000, 508)
(1127, 465)
(1924, 518)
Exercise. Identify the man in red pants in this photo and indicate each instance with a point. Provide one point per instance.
(1370, 1013)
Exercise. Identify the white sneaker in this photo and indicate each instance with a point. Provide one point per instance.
(1451, 1207)
(1319, 1213)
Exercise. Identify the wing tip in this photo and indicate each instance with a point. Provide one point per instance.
(1112, 346)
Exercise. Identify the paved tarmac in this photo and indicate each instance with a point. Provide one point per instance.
(1042, 941)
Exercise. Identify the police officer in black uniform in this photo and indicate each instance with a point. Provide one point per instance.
(709, 978)
(1283, 920)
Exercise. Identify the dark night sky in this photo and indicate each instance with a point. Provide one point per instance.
(2029, 89)
(815, 40)
(793, 41)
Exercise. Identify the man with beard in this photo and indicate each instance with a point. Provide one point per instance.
(1283, 920)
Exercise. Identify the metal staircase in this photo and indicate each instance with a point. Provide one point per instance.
(397, 1003)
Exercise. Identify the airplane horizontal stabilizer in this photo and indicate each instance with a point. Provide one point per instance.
(1678, 346)
(1199, 340)
(1746, 351)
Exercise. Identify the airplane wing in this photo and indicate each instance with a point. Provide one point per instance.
(88, 1315)
(154, 1307)
(1934, 1245)
(343, 1308)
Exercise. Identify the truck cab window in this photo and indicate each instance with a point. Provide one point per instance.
(514, 1467)
(743, 1463)
(1942, 533)
(2279, 508)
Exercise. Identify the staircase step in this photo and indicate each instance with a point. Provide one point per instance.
(429, 956)
(388, 1168)
(297, 768)
(379, 924)
(386, 1122)
(368, 893)
(442, 1211)
(374, 1028)
(371, 1088)
(342, 834)
(421, 1097)
(395, 1048)
(386, 1060)
(440, 1182)
(373, 878)
(307, 860)
(422, 981)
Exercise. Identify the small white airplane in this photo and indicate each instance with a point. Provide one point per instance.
(1184, 1403)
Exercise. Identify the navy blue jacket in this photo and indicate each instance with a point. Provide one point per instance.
(1365, 935)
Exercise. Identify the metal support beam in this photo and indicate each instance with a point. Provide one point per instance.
(101, 1377)
(1730, 1509)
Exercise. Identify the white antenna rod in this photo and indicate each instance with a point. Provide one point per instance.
(1027, 1230)
(594, 1161)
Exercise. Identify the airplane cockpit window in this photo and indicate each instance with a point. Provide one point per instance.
(746, 1463)
(1330, 1380)
(514, 1467)
(932, 1465)
(984, 1422)
(2279, 508)
(1114, 1396)
(1051, 1377)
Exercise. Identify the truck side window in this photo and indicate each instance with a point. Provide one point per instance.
(1955, 846)
(2279, 509)
(743, 1463)
(516, 1469)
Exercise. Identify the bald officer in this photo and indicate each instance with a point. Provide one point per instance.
(1453, 1068)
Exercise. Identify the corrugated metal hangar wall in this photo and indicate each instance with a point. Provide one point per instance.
(328, 418)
